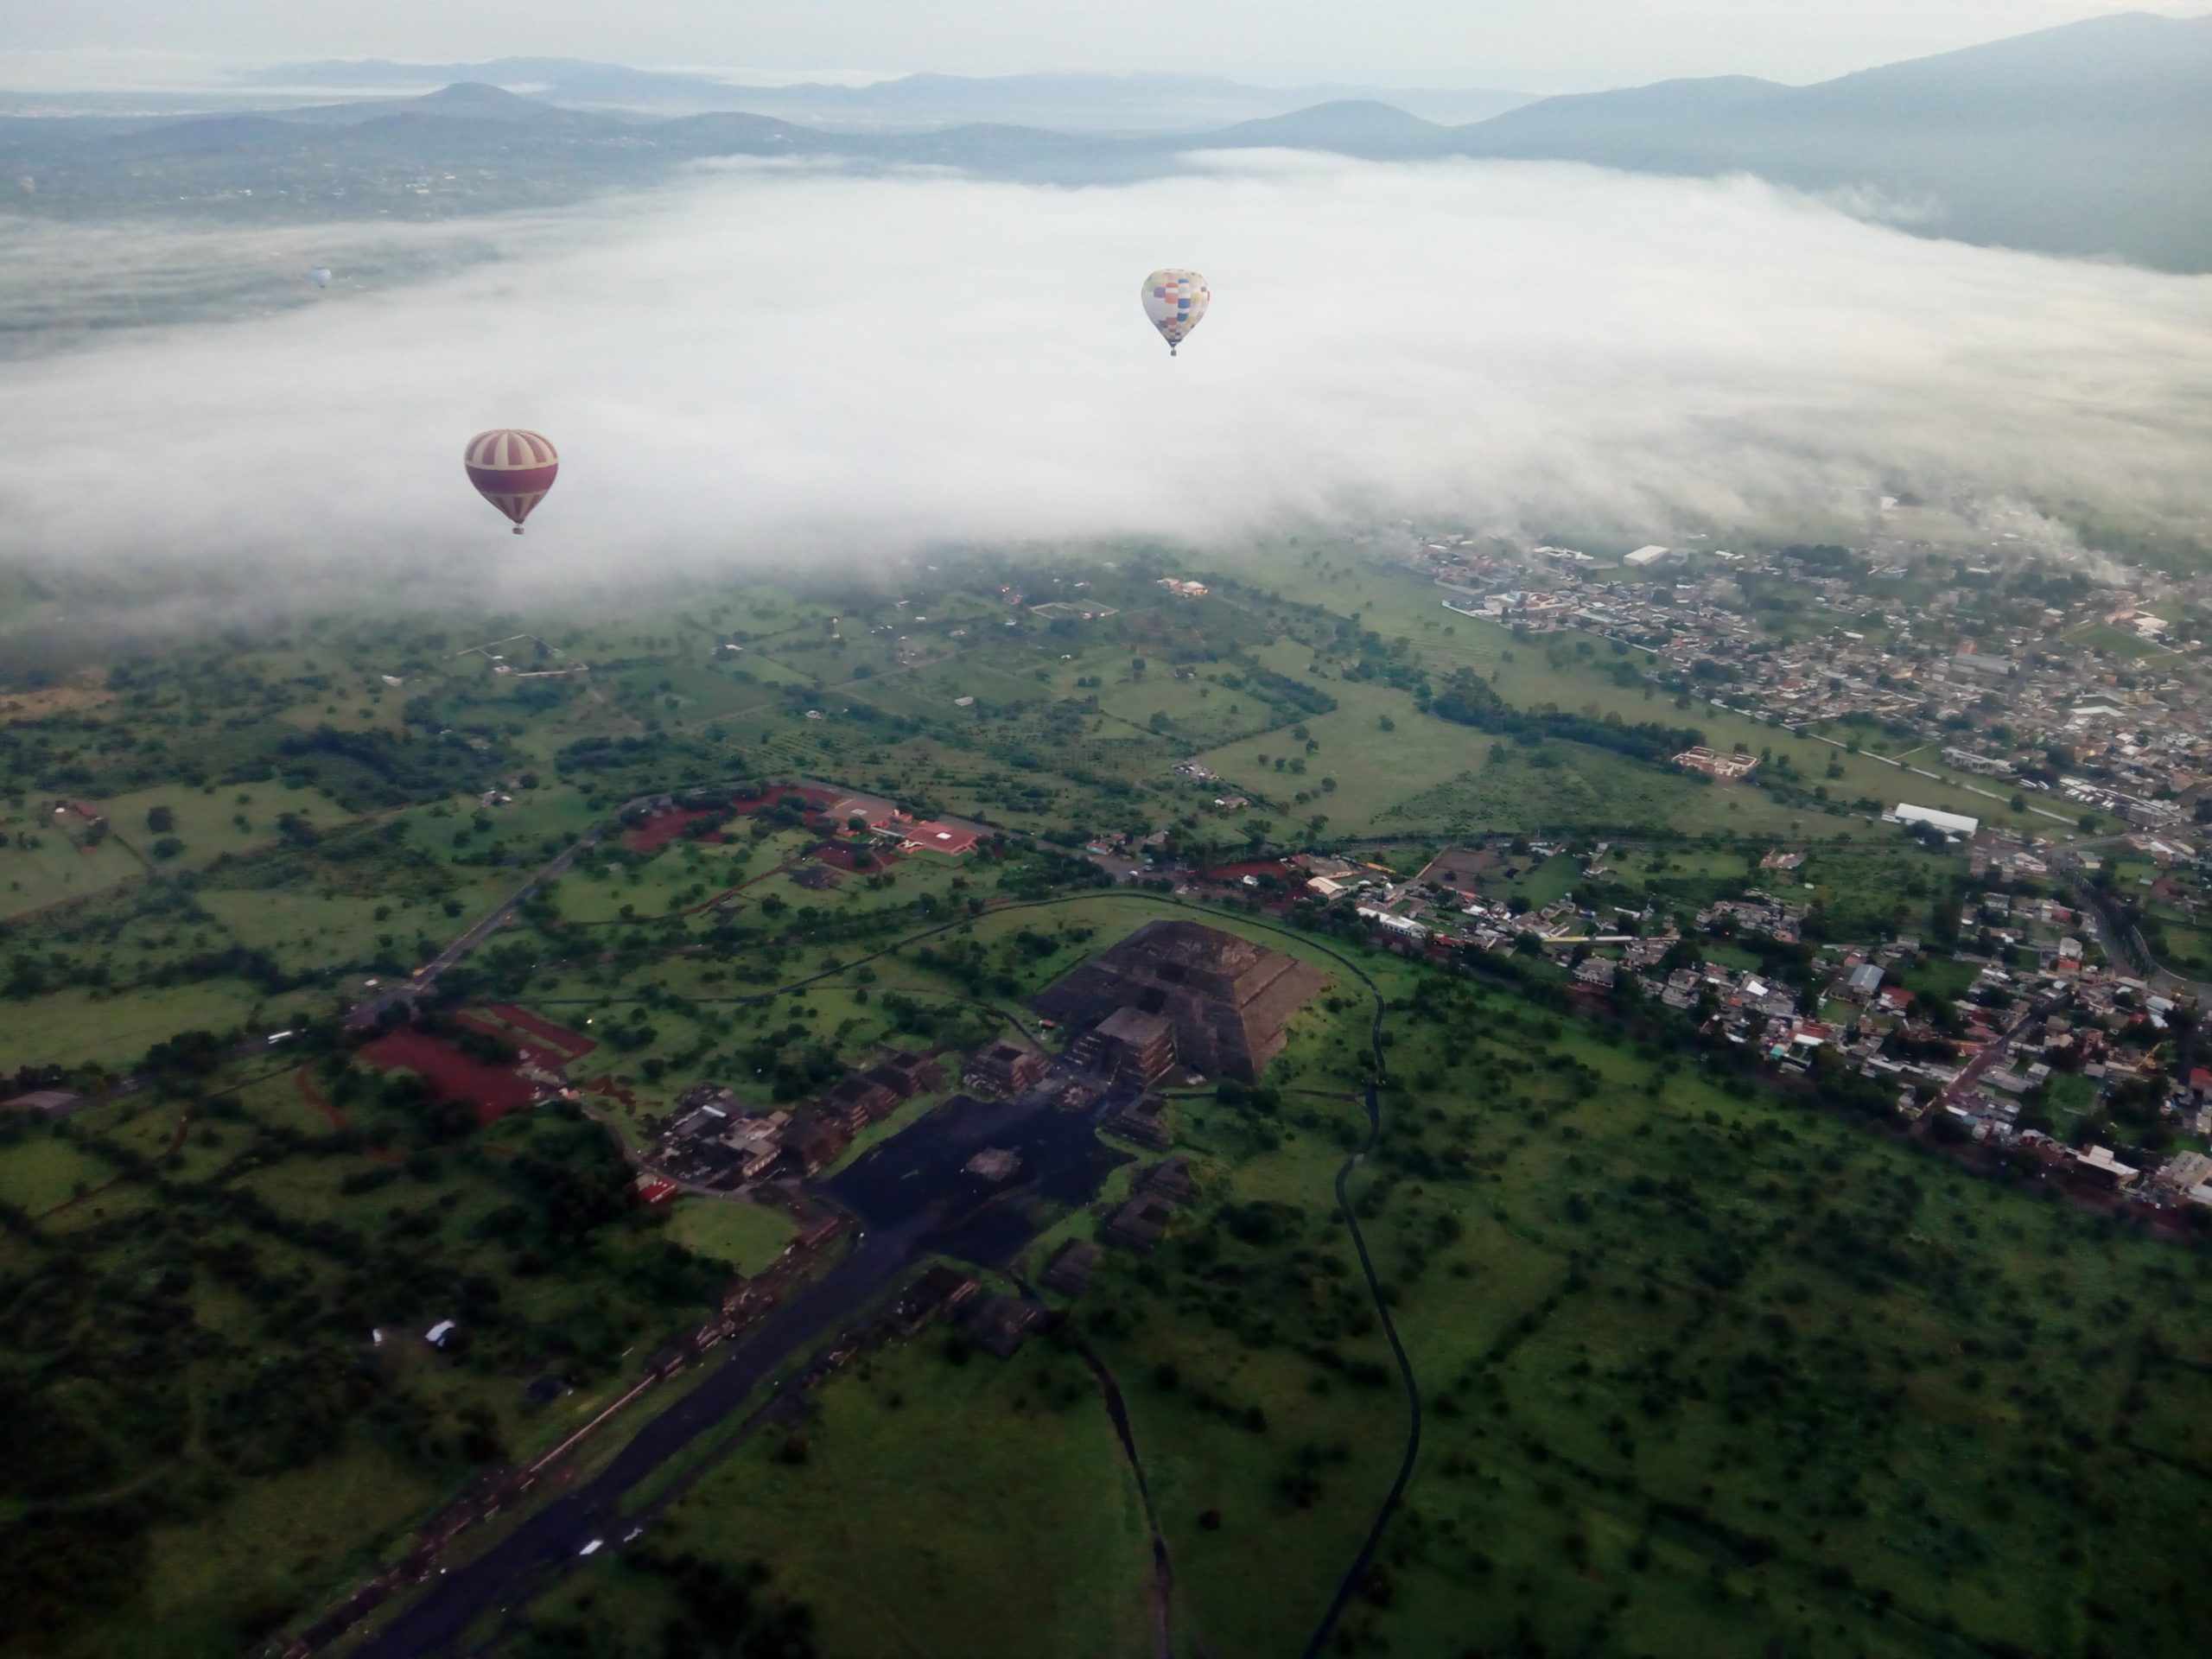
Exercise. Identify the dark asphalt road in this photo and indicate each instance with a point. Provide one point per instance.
(912, 1193)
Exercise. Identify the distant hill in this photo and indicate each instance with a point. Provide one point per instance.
(1358, 127)
(464, 100)
(1081, 103)
(2091, 138)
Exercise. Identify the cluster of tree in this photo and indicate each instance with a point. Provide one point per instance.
(1468, 700)
(719, 1612)
(1278, 690)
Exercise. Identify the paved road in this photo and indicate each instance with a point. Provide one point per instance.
(368, 1013)
(556, 1533)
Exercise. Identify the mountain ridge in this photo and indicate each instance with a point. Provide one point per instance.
(2087, 139)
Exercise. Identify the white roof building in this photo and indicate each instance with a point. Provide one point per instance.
(1956, 823)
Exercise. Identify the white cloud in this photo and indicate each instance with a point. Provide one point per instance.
(773, 363)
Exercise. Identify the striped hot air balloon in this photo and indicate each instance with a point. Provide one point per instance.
(511, 469)
(1175, 300)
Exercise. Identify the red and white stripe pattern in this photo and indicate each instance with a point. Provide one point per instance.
(511, 469)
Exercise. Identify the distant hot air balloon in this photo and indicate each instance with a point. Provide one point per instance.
(1175, 300)
(319, 275)
(511, 470)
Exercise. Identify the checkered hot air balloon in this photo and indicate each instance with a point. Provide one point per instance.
(511, 469)
(1175, 300)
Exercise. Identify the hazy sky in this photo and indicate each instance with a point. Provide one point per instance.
(1532, 45)
(775, 363)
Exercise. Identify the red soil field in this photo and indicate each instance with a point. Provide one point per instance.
(612, 1090)
(491, 1090)
(1273, 866)
(651, 838)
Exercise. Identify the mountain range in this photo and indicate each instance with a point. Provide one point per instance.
(2093, 139)
(1086, 103)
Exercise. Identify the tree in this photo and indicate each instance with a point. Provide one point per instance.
(160, 820)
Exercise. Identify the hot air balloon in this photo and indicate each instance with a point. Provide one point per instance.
(1175, 300)
(319, 275)
(511, 469)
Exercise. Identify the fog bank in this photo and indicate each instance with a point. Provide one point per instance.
(775, 364)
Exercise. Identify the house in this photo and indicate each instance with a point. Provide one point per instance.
(654, 1189)
(1862, 982)
(1596, 972)
(2100, 1169)
(933, 837)
(758, 1142)
(1723, 768)
(1404, 927)
(1953, 823)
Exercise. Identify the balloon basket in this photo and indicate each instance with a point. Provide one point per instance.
(518, 530)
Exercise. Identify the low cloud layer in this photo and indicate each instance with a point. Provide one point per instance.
(773, 365)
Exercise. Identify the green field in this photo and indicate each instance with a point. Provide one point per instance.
(2117, 642)
(748, 1237)
(1656, 1347)
(81, 1028)
(207, 820)
(1706, 1365)
(54, 868)
(41, 1172)
(863, 1519)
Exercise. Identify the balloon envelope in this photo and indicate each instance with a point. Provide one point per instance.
(319, 275)
(1175, 299)
(511, 469)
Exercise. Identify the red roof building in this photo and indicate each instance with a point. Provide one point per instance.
(934, 837)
